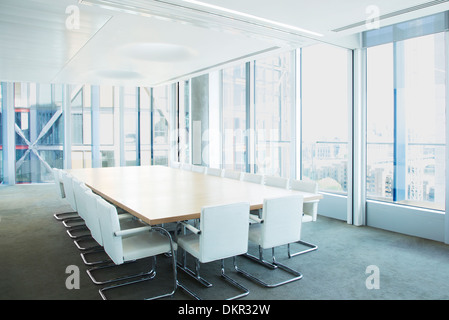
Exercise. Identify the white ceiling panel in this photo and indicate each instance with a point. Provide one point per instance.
(150, 42)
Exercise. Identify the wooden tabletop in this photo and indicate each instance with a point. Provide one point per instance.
(159, 194)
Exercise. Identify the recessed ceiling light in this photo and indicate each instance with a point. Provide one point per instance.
(162, 52)
(250, 16)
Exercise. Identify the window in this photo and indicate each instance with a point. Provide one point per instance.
(406, 121)
(39, 131)
(1, 135)
(107, 125)
(274, 109)
(145, 126)
(234, 117)
(130, 106)
(183, 124)
(326, 100)
(81, 122)
(161, 109)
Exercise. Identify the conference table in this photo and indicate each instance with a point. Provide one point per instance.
(160, 194)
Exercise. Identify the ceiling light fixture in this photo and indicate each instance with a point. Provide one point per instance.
(250, 16)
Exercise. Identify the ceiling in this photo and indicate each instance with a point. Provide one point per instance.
(152, 42)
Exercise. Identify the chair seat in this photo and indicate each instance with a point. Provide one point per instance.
(307, 218)
(145, 245)
(191, 244)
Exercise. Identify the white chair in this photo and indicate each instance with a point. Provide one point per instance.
(70, 196)
(231, 174)
(280, 224)
(214, 172)
(79, 190)
(123, 246)
(310, 210)
(93, 223)
(278, 182)
(59, 185)
(175, 164)
(223, 233)
(252, 177)
(198, 169)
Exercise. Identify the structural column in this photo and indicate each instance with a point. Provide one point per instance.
(8, 133)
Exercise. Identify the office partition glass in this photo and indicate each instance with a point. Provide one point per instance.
(326, 95)
(406, 99)
(274, 105)
(234, 118)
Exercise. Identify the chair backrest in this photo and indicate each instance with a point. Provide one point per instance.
(310, 209)
(79, 188)
(252, 177)
(175, 164)
(282, 220)
(199, 169)
(68, 190)
(302, 185)
(91, 200)
(278, 182)
(224, 231)
(231, 174)
(109, 224)
(58, 182)
(214, 172)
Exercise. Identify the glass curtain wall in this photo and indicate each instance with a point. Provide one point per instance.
(145, 125)
(406, 97)
(274, 115)
(183, 122)
(234, 118)
(107, 126)
(81, 121)
(1, 135)
(326, 95)
(162, 99)
(39, 131)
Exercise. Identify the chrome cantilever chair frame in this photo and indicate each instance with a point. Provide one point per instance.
(204, 254)
(292, 213)
(311, 207)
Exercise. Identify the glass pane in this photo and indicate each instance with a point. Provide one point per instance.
(184, 122)
(410, 122)
(326, 97)
(145, 125)
(274, 103)
(130, 126)
(234, 118)
(39, 132)
(380, 122)
(161, 110)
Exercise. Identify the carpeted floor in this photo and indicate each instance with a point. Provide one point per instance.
(40, 261)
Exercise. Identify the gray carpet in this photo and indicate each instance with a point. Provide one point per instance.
(36, 251)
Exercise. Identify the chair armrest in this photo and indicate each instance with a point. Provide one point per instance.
(255, 219)
(190, 227)
(312, 201)
(122, 216)
(132, 231)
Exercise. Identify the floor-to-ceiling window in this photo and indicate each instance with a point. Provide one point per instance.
(162, 99)
(81, 122)
(406, 98)
(274, 104)
(107, 125)
(234, 118)
(183, 123)
(1, 136)
(326, 96)
(39, 131)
